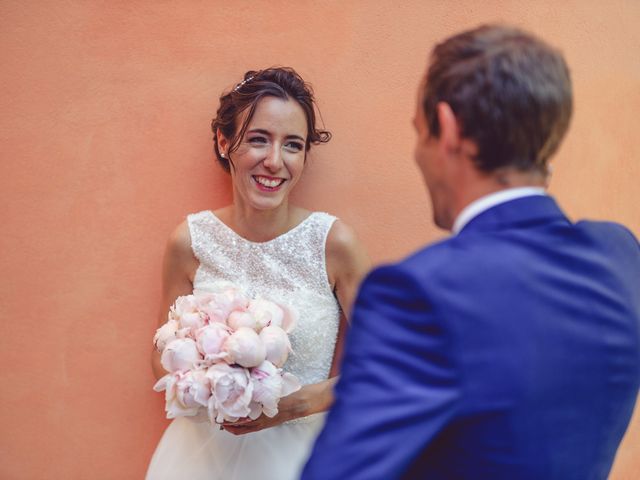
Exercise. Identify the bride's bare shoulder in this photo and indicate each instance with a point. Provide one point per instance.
(342, 241)
(345, 253)
(178, 252)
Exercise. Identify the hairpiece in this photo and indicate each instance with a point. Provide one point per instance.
(240, 85)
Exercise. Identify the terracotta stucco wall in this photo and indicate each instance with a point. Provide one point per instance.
(106, 146)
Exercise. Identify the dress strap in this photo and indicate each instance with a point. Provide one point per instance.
(201, 225)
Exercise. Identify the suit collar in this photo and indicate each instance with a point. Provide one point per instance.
(516, 213)
(478, 206)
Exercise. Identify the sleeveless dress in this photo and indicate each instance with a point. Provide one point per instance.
(292, 269)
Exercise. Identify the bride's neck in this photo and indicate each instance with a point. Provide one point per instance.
(260, 225)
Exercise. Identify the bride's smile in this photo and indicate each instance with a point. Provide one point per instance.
(268, 184)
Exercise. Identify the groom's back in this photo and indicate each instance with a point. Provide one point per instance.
(545, 322)
(510, 350)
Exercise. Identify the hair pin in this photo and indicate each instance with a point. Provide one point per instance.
(239, 86)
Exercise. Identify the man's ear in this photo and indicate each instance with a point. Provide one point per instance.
(449, 131)
(223, 143)
(451, 139)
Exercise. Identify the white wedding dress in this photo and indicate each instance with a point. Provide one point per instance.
(290, 268)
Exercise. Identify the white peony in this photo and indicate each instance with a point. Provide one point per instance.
(210, 340)
(180, 355)
(277, 344)
(165, 334)
(232, 391)
(269, 385)
(245, 348)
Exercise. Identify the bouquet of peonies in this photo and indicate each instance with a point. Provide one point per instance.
(225, 352)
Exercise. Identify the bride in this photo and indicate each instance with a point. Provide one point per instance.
(262, 132)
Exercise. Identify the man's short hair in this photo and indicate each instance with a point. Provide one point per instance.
(510, 92)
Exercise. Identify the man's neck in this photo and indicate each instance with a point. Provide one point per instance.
(479, 185)
(491, 200)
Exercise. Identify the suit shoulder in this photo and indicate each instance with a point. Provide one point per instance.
(609, 232)
(414, 274)
(437, 257)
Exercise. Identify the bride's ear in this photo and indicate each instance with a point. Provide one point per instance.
(223, 143)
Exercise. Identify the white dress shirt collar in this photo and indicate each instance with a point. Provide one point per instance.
(482, 204)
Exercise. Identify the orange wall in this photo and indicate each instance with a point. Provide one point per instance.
(106, 146)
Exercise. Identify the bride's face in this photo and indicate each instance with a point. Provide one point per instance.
(270, 158)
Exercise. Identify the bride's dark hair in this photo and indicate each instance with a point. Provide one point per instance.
(279, 82)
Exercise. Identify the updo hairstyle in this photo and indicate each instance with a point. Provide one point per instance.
(279, 82)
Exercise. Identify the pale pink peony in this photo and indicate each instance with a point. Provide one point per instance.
(173, 405)
(165, 334)
(239, 319)
(193, 389)
(210, 308)
(180, 355)
(265, 312)
(210, 340)
(193, 321)
(186, 311)
(225, 298)
(232, 390)
(245, 348)
(183, 304)
(277, 344)
(235, 297)
(270, 384)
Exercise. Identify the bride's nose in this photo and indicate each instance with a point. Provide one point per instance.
(273, 160)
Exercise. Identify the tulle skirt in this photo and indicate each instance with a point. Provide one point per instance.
(191, 448)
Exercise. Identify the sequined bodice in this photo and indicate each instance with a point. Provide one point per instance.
(290, 268)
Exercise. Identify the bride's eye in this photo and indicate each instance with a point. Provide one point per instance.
(294, 146)
(257, 140)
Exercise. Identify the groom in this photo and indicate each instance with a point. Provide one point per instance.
(510, 350)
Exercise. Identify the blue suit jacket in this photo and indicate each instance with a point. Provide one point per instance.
(509, 351)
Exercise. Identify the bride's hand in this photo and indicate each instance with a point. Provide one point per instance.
(310, 399)
(292, 406)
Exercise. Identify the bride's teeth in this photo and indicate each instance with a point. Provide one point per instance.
(267, 182)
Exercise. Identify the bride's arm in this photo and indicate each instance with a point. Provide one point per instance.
(178, 268)
(347, 264)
